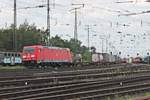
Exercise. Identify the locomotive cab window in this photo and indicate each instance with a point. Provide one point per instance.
(29, 50)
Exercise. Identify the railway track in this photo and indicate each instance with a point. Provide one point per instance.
(71, 82)
(39, 73)
(74, 84)
(82, 91)
(57, 79)
(27, 72)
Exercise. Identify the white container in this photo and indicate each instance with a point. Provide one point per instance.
(97, 57)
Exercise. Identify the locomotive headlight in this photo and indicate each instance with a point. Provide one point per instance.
(24, 56)
(32, 56)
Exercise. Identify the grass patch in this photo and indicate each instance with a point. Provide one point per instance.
(127, 97)
(11, 68)
(147, 94)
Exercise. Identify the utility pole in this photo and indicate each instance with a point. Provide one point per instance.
(88, 27)
(106, 45)
(88, 38)
(75, 26)
(14, 28)
(48, 23)
(76, 20)
(148, 58)
(102, 44)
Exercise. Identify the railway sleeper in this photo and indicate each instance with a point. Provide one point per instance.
(71, 89)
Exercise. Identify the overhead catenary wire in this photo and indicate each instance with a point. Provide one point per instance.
(20, 8)
(130, 14)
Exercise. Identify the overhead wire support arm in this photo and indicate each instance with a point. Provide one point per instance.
(124, 2)
(81, 5)
(38, 6)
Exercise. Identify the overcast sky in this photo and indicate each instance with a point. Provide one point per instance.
(107, 19)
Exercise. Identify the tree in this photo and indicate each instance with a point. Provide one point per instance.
(25, 35)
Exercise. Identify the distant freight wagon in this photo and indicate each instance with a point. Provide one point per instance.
(105, 58)
(10, 58)
(44, 55)
(137, 60)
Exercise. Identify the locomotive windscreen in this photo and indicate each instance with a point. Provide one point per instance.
(29, 50)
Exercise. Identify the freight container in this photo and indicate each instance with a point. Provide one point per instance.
(106, 57)
(97, 57)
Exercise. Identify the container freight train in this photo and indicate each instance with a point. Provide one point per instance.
(10, 58)
(38, 55)
(43, 55)
(105, 58)
(146, 60)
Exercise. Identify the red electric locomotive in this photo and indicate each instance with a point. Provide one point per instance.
(44, 55)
